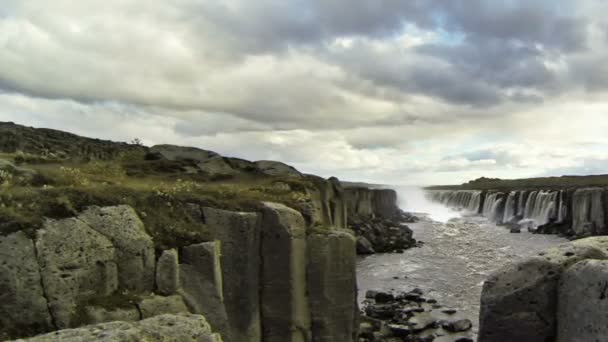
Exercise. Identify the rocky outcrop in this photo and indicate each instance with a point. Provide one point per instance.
(377, 221)
(167, 273)
(284, 305)
(213, 164)
(265, 277)
(275, 168)
(364, 202)
(588, 212)
(23, 305)
(185, 327)
(134, 247)
(74, 269)
(201, 284)
(328, 207)
(239, 234)
(331, 270)
(159, 305)
(537, 299)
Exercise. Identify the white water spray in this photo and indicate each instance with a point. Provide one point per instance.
(413, 199)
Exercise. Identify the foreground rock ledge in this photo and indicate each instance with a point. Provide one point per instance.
(183, 327)
(558, 295)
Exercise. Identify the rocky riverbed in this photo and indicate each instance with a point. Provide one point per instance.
(453, 262)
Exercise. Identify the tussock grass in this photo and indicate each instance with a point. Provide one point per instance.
(160, 192)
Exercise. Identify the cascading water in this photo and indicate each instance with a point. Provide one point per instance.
(510, 207)
(467, 201)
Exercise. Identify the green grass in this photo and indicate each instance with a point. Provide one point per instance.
(159, 192)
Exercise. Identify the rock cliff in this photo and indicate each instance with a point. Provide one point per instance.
(378, 223)
(263, 278)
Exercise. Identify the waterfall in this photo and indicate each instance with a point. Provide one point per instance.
(510, 206)
(562, 209)
(468, 201)
(530, 204)
(521, 203)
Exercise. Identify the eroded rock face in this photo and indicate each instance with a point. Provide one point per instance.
(167, 273)
(159, 305)
(331, 272)
(588, 212)
(520, 301)
(239, 234)
(284, 304)
(183, 328)
(583, 302)
(134, 247)
(76, 263)
(201, 284)
(23, 304)
(385, 203)
(359, 202)
(96, 314)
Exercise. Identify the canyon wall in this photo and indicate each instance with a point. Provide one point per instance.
(574, 212)
(271, 275)
(264, 278)
(377, 221)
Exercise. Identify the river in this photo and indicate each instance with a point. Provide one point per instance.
(458, 254)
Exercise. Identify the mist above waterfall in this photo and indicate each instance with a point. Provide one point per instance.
(413, 199)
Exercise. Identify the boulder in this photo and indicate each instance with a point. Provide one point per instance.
(239, 234)
(583, 302)
(74, 269)
(24, 306)
(159, 305)
(201, 284)
(331, 272)
(519, 301)
(134, 247)
(364, 246)
(167, 273)
(275, 168)
(284, 303)
(183, 328)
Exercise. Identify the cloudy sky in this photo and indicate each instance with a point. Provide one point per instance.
(391, 91)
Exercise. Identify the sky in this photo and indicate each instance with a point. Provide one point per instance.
(384, 91)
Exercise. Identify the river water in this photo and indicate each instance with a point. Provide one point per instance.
(458, 254)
